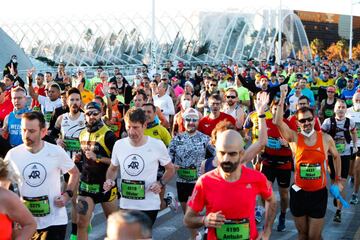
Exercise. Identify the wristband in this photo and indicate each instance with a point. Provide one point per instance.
(69, 192)
(262, 116)
(337, 178)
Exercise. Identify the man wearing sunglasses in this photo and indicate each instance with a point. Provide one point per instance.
(343, 131)
(187, 150)
(233, 108)
(97, 142)
(310, 149)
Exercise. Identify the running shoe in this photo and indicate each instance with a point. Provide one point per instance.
(171, 201)
(337, 217)
(354, 199)
(281, 226)
(259, 212)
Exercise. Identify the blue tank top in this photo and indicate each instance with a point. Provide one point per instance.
(14, 130)
(209, 165)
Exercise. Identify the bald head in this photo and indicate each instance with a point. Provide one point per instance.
(229, 138)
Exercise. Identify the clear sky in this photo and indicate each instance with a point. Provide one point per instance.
(32, 9)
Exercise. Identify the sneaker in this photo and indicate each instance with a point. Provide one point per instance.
(171, 201)
(73, 237)
(259, 212)
(354, 199)
(337, 217)
(281, 226)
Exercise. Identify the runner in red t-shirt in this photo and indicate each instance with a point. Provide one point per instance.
(39, 89)
(233, 214)
(6, 105)
(208, 123)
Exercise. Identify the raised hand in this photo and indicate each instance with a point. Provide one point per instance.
(283, 91)
(261, 103)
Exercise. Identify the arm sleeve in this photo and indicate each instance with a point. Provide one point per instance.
(197, 199)
(64, 160)
(164, 157)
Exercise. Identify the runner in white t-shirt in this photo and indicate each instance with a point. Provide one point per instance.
(138, 157)
(354, 114)
(39, 165)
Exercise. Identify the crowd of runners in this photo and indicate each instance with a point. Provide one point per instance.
(223, 132)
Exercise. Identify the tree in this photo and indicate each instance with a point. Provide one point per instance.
(337, 50)
(317, 47)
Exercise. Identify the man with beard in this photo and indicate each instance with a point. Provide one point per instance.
(187, 150)
(232, 214)
(39, 165)
(354, 114)
(97, 142)
(69, 126)
(210, 88)
(138, 157)
(12, 123)
(208, 123)
(310, 150)
(343, 131)
(233, 108)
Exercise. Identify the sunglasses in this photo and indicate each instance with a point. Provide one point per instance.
(188, 119)
(330, 92)
(213, 85)
(304, 120)
(93, 113)
(232, 97)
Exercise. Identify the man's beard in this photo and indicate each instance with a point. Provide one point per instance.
(229, 167)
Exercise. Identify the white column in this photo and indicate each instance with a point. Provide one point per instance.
(279, 33)
(153, 39)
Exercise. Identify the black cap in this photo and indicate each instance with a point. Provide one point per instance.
(92, 105)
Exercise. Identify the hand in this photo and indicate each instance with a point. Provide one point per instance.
(283, 142)
(76, 157)
(60, 201)
(339, 184)
(90, 155)
(355, 149)
(214, 220)
(29, 74)
(261, 103)
(283, 91)
(176, 166)
(60, 142)
(108, 184)
(155, 187)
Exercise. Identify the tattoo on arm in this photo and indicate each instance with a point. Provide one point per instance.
(82, 207)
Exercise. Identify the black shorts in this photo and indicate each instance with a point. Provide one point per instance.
(311, 204)
(184, 190)
(101, 197)
(50, 233)
(152, 214)
(282, 176)
(345, 166)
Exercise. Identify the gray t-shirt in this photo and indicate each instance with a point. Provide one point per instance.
(341, 145)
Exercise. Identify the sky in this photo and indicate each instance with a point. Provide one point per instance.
(33, 9)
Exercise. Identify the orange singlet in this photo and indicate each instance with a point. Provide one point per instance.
(310, 164)
(5, 227)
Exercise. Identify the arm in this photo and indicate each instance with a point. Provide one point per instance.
(18, 213)
(162, 118)
(260, 105)
(249, 85)
(73, 179)
(201, 103)
(32, 92)
(4, 130)
(336, 156)
(192, 219)
(112, 171)
(285, 131)
(354, 138)
(169, 172)
(270, 214)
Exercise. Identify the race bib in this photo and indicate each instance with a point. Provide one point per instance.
(72, 145)
(349, 102)
(132, 189)
(38, 206)
(187, 174)
(328, 113)
(340, 145)
(234, 229)
(47, 116)
(114, 127)
(310, 171)
(36, 109)
(273, 143)
(89, 188)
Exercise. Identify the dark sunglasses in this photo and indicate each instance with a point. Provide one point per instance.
(93, 113)
(304, 120)
(213, 85)
(191, 119)
(232, 97)
(330, 92)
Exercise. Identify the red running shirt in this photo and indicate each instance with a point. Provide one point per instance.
(5, 227)
(206, 124)
(236, 200)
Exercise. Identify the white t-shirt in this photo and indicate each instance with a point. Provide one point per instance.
(140, 164)
(166, 104)
(40, 176)
(293, 100)
(355, 116)
(47, 105)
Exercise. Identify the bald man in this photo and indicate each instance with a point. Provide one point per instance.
(233, 214)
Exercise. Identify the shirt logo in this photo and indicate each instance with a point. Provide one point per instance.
(34, 174)
(248, 186)
(134, 164)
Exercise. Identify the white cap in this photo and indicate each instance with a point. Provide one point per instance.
(190, 112)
